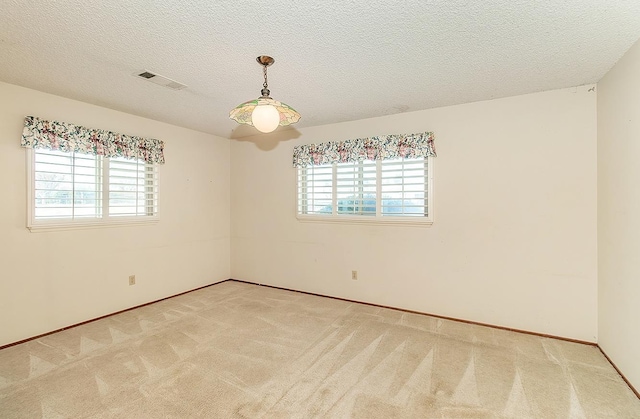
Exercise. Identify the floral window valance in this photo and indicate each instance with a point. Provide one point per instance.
(382, 147)
(67, 137)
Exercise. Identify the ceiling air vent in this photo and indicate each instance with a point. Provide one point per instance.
(146, 75)
(160, 80)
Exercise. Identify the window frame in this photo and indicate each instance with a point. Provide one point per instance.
(378, 218)
(58, 224)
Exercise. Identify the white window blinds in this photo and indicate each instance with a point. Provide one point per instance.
(356, 188)
(404, 187)
(67, 185)
(315, 189)
(133, 188)
(72, 188)
(383, 189)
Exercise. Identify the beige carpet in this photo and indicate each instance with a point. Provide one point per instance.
(245, 351)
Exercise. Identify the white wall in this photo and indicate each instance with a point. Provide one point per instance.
(51, 280)
(514, 238)
(619, 214)
(513, 243)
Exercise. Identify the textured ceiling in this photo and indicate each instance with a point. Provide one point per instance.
(336, 60)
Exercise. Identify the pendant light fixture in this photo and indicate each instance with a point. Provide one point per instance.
(264, 113)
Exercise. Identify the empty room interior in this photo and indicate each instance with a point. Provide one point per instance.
(414, 209)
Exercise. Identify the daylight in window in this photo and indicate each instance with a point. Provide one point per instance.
(374, 189)
(71, 187)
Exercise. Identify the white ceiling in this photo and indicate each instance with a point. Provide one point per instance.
(336, 60)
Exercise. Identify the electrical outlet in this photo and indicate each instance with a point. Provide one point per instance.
(354, 275)
(132, 279)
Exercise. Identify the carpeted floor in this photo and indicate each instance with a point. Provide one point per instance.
(243, 351)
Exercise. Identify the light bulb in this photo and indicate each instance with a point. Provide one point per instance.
(265, 118)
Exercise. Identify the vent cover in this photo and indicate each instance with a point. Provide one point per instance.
(146, 75)
(160, 80)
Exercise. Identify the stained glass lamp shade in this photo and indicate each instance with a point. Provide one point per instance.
(264, 113)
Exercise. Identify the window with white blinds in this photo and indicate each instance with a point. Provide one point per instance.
(70, 189)
(133, 188)
(404, 187)
(356, 188)
(315, 189)
(384, 190)
(66, 185)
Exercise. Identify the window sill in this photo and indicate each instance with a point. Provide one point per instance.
(354, 219)
(57, 225)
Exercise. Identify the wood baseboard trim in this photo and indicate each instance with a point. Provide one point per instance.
(633, 389)
(425, 314)
(107, 315)
(620, 372)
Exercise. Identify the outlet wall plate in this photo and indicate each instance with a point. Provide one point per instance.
(132, 279)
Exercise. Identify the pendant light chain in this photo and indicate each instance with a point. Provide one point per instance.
(264, 71)
(265, 91)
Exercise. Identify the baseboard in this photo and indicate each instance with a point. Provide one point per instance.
(457, 320)
(350, 301)
(317, 295)
(425, 314)
(107, 315)
(620, 372)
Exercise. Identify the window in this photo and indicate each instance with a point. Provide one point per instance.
(315, 186)
(404, 187)
(70, 189)
(356, 188)
(395, 190)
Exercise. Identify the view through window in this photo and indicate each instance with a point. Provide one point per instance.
(76, 186)
(386, 188)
